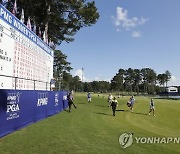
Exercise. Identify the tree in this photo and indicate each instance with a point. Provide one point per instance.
(67, 78)
(87, 87)
(161, 79)
(148, 80)
(129, 78)
(168, 76)
(61, 67)
(96, 86)
(60, 18)
(118, 80)
(75, 84)
(137, 79)
(151, 81)
(104, 86)
(164, 78)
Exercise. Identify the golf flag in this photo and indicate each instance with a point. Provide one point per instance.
(29, 24)
(47, 38)
(44, 37)
(4, 2)
(51, 44)
(14, 11)
(46, 33)
(34, 28)
(39, 34)
(22, 16)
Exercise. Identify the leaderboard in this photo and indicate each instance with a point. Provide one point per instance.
(26, 62)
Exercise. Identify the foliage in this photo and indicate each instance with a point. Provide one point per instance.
(61, 68)
(139, 80)
(61, 18)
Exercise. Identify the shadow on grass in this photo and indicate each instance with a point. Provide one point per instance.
(139, 113)
(81, 103)
(66, 110)
(101, 105)
(133, 112)
(123, 110)
(169, 98)
(102, 113)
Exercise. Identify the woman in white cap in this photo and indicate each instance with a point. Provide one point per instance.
(152, 108)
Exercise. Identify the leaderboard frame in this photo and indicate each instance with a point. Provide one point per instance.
(26, 62)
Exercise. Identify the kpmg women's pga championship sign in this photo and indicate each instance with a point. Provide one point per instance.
(23, 55)
(25, 61)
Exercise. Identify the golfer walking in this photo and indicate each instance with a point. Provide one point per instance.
(152, 108)
(110, 97)
(89, 97)
(114, 104)
(132, 101)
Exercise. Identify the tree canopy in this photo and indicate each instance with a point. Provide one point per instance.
(61, 18)
(139, 80)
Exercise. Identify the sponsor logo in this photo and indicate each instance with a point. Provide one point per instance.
(42, 99)
(64, 97)
(13, 105)
(56, 100)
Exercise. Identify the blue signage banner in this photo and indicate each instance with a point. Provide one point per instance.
(19, 108)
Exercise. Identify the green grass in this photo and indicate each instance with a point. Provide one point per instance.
(91, 128)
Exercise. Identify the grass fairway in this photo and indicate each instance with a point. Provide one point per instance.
(91, 128)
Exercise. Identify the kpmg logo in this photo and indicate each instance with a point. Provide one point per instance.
(42, 99)
(56, 100)
(64, 97)
(13, 105)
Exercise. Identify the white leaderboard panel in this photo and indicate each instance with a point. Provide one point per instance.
(23, 55)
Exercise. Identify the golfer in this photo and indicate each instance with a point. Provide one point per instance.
(110, 97)
(89, 97)
(114, 104)
(132, 101)
(152, 108)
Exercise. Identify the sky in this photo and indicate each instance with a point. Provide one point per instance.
(129, 34)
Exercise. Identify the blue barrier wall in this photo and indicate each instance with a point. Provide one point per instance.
(19, 108)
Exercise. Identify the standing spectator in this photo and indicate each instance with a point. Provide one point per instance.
(89, 97)
(70, 99)
(152, 107)
(114, 104)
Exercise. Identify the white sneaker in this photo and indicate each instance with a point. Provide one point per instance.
(149, 113)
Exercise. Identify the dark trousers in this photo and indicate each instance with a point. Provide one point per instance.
(114, 110)
(70, 103)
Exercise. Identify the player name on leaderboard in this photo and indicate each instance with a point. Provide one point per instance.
(24, 57)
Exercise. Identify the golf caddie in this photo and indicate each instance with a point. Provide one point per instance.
(114, 104)
(70, 99)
